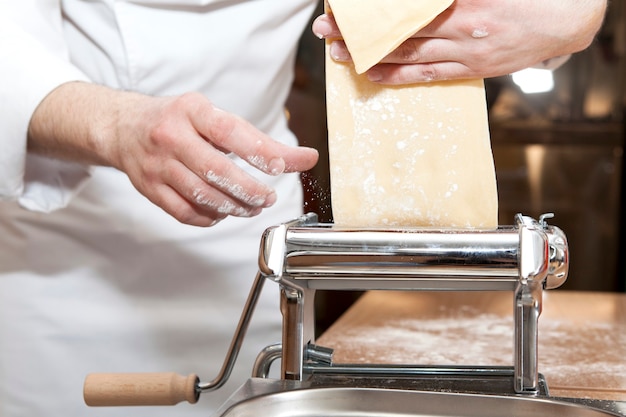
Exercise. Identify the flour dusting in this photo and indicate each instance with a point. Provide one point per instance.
(482, 340)
(236, 190)
(569, 351)
(480, 32)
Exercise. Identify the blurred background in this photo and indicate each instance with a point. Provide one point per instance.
(558, 144)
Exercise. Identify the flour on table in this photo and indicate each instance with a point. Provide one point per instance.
(482, 340)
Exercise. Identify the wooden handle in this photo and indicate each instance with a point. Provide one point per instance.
(168, 388)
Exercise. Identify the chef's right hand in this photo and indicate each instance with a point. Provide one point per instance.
(173, 149)
(482, 39)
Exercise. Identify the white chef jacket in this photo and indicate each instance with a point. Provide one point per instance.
(93, 277)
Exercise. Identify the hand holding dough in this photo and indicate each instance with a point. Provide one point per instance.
(479, 38)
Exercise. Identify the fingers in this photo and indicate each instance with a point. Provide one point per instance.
(180, 161)
(420, 60)
(325, 27)
(198, 183)
(392, 74)
(174, 204)
(447, 48)
(192, 200)
(296, 159)
(229, 132)
(411, 51)
(213, 200)
(210, 168)
(415, 61)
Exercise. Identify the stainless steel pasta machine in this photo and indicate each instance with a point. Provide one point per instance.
(304, 256)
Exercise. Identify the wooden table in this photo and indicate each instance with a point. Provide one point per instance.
(582, 335)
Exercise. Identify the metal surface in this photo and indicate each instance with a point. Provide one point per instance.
(235, 345)
(413, 258)
(304, 256)
(284, 399)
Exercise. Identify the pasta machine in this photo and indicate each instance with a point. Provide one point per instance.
(304, 256)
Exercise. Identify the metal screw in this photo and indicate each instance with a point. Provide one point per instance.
(543, 217)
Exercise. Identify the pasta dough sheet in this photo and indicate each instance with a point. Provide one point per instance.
(372, 29)
(407, 156)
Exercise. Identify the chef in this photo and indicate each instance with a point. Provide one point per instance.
(143, 151)
(96, 276)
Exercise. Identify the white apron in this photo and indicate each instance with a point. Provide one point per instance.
(93, 277)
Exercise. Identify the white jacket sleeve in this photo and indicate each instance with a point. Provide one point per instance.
(33, 61)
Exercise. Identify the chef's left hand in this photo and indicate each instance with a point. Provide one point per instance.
(481, 39)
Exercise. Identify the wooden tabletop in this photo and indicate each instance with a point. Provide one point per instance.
(582, 335)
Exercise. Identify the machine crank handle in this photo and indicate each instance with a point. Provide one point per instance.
(130, 389)
(110, 390)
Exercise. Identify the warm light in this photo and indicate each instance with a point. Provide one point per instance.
(533, 80)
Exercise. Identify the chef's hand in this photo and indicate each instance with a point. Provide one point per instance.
(173, 149)
(482, 39)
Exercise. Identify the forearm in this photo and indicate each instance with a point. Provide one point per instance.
(79, 122)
